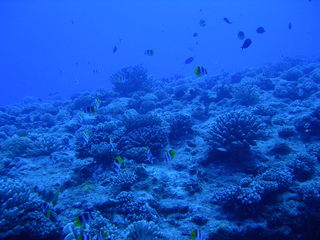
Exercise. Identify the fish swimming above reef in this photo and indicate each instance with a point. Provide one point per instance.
(202, 23)
(241, 35)
(114, 50)
(196, 235)
(227, 20)
(149, 52)
(83, 219)
(195, 34)
(149, 157)
(111, 144)
(117, 164)
(189, 60)
(101, 235)
(85, 136)
(246, 43)
(260, 30)
(200, 71)
(90, 110)
(289, 26)
(170, 155)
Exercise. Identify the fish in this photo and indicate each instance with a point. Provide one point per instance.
(90, 110)
(290, 26)
(227, 20)
(149, 52)
(260, 30)
(200, 71)
(117, 163)
(45, 209)
(97, 102)
(83, 219)
(101, 236)
(202, 23)
(114, 50)
(170, 155)
(111, 144)
(85, 236)
(241, 35)
(246, 43)
(55, 197)
(85, 136)
(196, 235)
(195, 34)
(189, 60)
(149, 157)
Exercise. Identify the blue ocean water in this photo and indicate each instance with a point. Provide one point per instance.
(149, 120)
(66, 46)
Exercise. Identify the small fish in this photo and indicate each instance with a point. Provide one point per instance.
(196, 235)
(117, 163)
(227, 20)
(200, 71)
(85, 236)
(55, 197)
(85, 136)
(114, 50)
(260, 30)
(195, 34)
(111, 144)
(90, 110)
(149, 52)
(170, 155)
(290, 26)
(45, 209)
(149, 157)
(246, 43)
(97, 102)
(202, 23)
(83, 219)
(80, 117)
(241, 35)
(101, 235)
(189, 60)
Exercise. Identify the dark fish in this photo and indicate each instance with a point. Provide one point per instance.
(289, 26)
(241, 35)
(83, 219)
(200, 71)
(227, 20)
(149, 52)
(114, 49)
(203, 23)
(189, 60)
(195, 34)
(246, 43)
(260, 30)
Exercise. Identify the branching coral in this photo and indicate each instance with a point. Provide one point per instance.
(130, 79)
(143, 230)
(235, 132)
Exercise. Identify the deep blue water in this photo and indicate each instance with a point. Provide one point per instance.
(66, 46)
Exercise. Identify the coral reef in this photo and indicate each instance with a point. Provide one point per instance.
(245, 163)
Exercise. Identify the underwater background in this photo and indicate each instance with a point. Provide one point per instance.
(146, 120)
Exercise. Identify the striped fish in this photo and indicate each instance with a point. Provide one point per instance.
(84, 219)
(111, 144)
(85, 136)
(196, 235)
(117, 164)
(170, 155)
(200, 71)
(149, 157)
